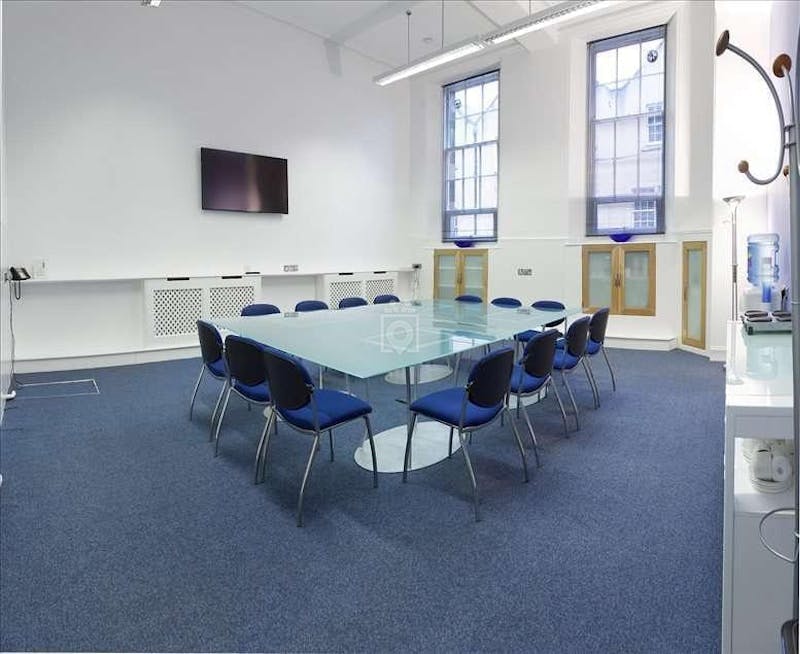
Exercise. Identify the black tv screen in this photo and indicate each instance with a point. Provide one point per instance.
(235, 181)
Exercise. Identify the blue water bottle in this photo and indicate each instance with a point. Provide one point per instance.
(762, 263)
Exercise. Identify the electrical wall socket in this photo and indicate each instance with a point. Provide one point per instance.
(525, 272)
(291, 267)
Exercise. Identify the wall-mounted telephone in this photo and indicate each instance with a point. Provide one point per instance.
(18, 274)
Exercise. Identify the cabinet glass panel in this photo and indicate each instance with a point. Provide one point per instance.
(637, 280)
(600, 277)
(473, 274)
(446, 276)
(695, 265)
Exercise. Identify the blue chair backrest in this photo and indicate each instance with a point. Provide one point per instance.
(577, 336)
(550, 305)
(509, 302)
(348, 302)
(310, 305)
(386, 298)
(490, 378)
(289, 383)
(245, 359)
(469, 298)
(537, 360)
(260, 310)
(210, 342)
(598, 324)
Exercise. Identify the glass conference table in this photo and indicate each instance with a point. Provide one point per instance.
(373, 340)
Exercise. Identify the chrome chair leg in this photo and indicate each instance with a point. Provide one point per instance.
(194, 393)
(519, 445)
(214, 412)
(263, 443)
(462, 439)
(305, 480)
(268, 440)
(407, 459)
(534, 442)
(219, 421)
(372, 451)
(330, 440)
(572, 399)
(610, 369)
(592, 386)
(554, 386)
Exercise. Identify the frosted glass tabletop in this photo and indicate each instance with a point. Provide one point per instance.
(758, 366)
(376, 339)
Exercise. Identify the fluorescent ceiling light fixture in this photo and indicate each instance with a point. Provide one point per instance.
(551, 16)
(431, 61)
(151, 3)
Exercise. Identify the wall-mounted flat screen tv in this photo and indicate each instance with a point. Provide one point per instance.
(235, 181)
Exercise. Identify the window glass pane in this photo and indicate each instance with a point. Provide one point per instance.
(465, 225)
(488, 191)
(490, 98)
(455, 165)
(469, 193)
(460, 104)
(653, 57)
(605, 67)
(628, 62)
(600, 279)
(459, 132)
(604, 140)
(490, 126)
(485, 224)
(457, 198)
(650, 174)
(628, 98)
(652, 93)
(626, 178)
(603, 179)
(627, 137)
(605, 102)
(473, 129)
(474, 100)
(615, 216)
(637, 280)
(489, 159)
(469, 162)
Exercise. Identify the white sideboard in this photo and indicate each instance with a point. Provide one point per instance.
(756, 585)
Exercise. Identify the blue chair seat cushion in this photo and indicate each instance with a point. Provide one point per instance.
(446, 406)
(333, 407)
(217, 368)
(522, 382)
(257, 393)
(564, 360)
(592, 347)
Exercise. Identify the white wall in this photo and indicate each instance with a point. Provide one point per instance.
(5, 336)
(107, 106)
(542, 159)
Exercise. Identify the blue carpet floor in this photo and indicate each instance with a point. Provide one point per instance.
(121, 532)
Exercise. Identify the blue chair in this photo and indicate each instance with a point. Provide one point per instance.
(594, 346)
(479, 403)
(474, 299)
(386, 298)
(308, 410)
(310, 305)
(348, 302)
(543, 305)
(259, 310)
(247, 376)
(568, 358)
(211, 351)
(533, 375)
(507, 302)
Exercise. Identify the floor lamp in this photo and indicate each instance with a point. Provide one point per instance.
(733, 202)
(781, 68)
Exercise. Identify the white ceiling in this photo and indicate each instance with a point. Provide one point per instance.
(378, 28)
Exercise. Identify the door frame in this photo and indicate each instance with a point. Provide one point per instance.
(686, 247)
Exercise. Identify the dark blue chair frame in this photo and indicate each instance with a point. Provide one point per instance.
(596, 344)
(349, 302)
(259, 310)
(292, 390)
(247, 377)
(212, 353)
(385, 298)
(507, 302)
(487, 388)
(573, 353)
(533, 375)
(474, 299)
(310, 305)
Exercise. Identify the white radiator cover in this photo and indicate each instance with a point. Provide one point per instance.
(333, 288)
(173, 307)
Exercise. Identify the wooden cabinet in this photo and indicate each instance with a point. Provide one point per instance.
(460, 272)
(621, 277)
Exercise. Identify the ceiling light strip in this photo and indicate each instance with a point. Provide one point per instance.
(426, 63)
